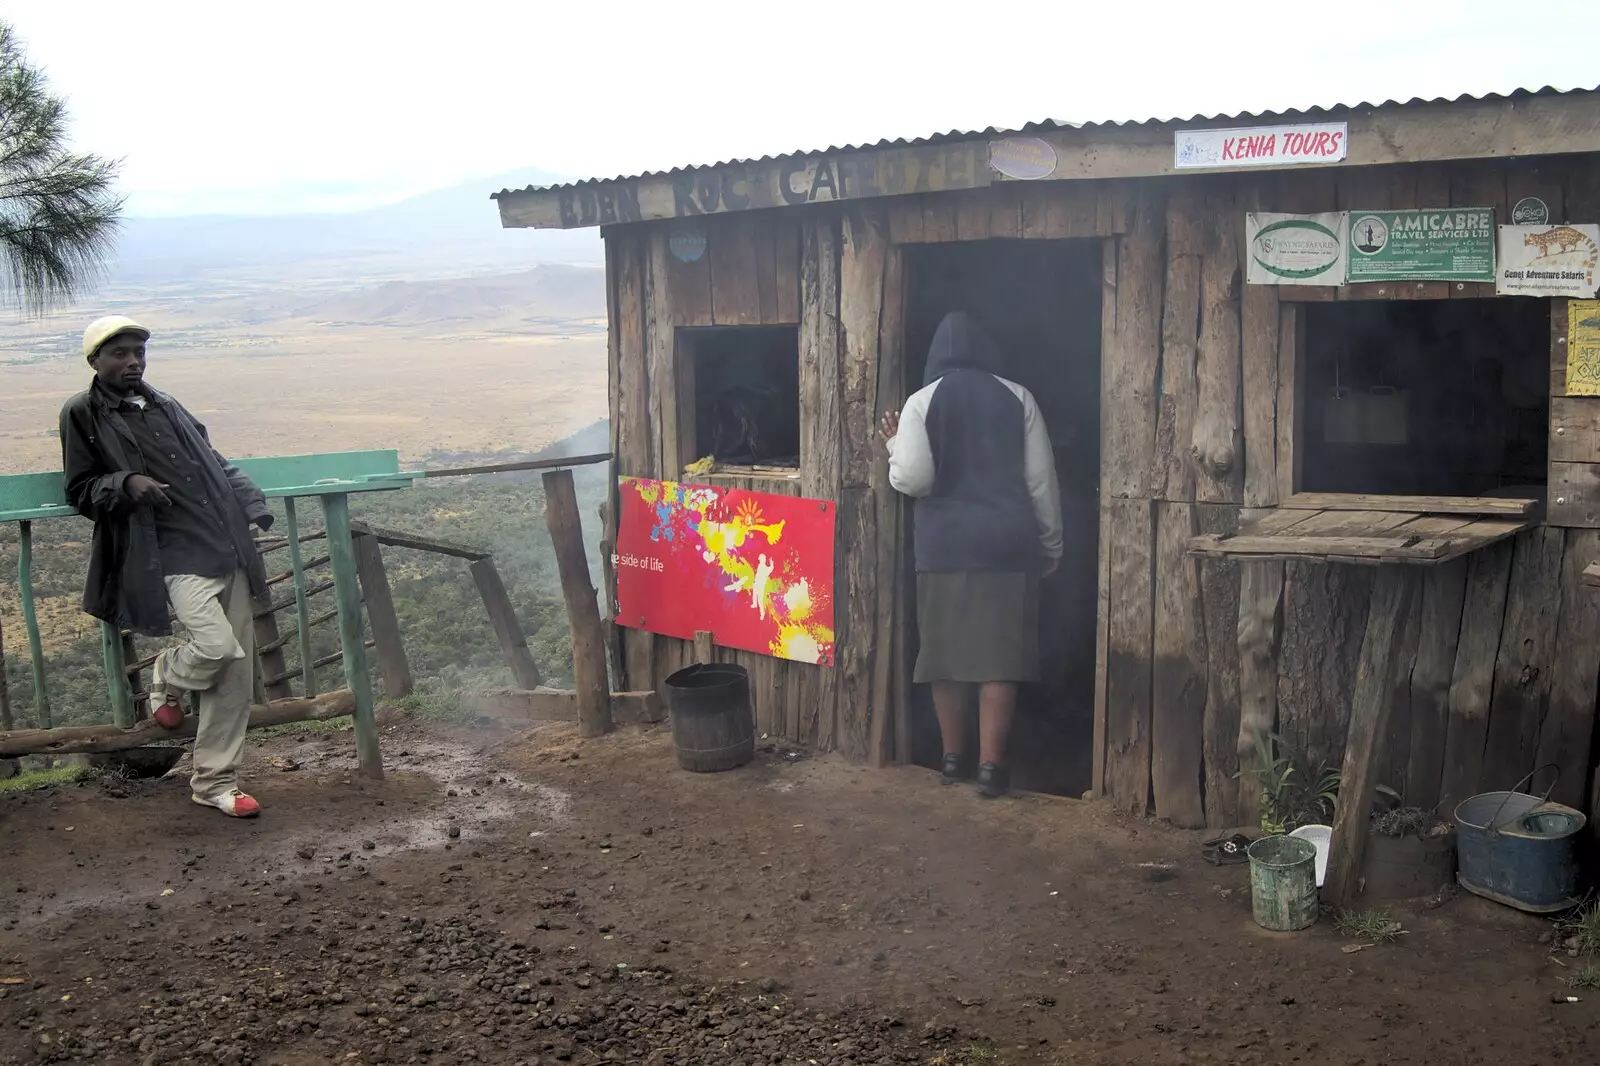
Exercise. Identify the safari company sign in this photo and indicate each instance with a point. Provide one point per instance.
(1295, 249)
(1261, 146)
(1452, 245)
(1547, 261)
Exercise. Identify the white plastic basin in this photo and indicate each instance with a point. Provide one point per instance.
(1322, 837)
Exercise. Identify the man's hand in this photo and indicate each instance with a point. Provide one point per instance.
(890, 426)
(1050, 567)
(146, 490)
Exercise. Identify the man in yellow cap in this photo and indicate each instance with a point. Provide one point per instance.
(172, 523)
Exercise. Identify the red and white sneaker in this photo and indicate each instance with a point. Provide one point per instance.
(168, 713)
(233, 803)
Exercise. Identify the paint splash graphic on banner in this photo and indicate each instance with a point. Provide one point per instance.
(754, 569)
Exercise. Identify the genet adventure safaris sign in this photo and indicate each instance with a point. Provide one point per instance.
(1295, 249)
(1547, 260)
(1426, 245)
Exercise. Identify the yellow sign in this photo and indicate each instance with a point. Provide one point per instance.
(1583, 348)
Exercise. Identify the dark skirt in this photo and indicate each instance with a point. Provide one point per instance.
(976, 626)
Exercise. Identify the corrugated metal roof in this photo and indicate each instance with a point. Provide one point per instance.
(1054, 124)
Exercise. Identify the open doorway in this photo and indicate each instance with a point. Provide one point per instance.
(1040, 300)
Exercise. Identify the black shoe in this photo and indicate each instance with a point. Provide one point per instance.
(953, 769)
(993, 780)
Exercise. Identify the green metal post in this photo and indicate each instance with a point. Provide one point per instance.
(30, 619)
(116, 676)
(347, 590)
(302, 610)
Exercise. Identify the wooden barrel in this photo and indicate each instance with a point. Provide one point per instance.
(713, 728)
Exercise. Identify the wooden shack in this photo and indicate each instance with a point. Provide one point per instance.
(1235, 537)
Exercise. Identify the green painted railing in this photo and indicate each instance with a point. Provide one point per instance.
(330, 477)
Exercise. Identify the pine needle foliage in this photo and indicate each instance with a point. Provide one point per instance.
(58, 209)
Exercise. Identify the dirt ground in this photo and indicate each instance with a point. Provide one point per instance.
(508, 897)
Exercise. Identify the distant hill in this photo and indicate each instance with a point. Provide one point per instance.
(446, 232)
(550, 292)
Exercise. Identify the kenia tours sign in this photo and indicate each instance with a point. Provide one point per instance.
(1260, 146)
(1295, 249)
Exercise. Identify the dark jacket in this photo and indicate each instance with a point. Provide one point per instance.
(98, 454)
(973, 450)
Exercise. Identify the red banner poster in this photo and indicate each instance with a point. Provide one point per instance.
(752, 568)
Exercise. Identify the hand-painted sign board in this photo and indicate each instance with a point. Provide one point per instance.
(752, 568)
(787, 182)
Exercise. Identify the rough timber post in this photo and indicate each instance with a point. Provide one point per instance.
(347, 590)
(583, 609)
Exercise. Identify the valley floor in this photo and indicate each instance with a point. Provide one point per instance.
(508, 897)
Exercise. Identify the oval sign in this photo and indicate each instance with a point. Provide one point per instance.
(687, 245)
(1531, 211)
(1022, 158)
(1297, 248)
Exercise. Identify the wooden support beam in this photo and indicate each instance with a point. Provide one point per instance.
(395, 538)
(1373, 702)
(704, 647)
(316, 664)
(382, 619)
(326, 616)
(283, 605)
(74, 740)
(583, 611)
(302, 609)
(269, 653)
(532, 464)
(347, 587)
(1260, 593)
(278, 579)
(561, 705)
(503, 618)
(1359, 501)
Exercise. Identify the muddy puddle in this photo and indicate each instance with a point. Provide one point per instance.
(320, 820)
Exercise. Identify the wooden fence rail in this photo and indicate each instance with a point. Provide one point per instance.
(354, 549)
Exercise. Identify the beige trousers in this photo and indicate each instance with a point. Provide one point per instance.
(216, 661)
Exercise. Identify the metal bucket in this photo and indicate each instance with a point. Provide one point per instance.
(1283, 883)
(1519, 850)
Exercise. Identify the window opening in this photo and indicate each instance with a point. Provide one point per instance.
(745, 397)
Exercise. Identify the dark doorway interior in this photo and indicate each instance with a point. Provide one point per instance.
(1041, 301)
(1426, 397)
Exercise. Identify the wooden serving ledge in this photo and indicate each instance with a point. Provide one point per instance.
(1371, 530)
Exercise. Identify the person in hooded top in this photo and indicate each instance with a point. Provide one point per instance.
(971, 448)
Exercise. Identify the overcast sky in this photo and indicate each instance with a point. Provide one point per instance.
(332, 104)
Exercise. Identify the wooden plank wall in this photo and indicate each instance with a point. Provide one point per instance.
(1197, 415)
(835, 278)
(1199, 389)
